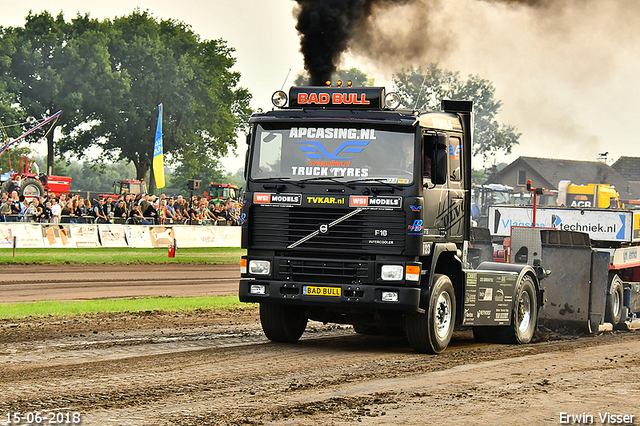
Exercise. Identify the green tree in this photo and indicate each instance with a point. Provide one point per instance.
(206, 172)
(355, 75)
(420, 89)
(109, 77)
(13, 157)
(167, 63)
(61, 66)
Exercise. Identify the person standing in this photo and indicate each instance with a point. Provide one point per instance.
(5, 207)
(56, 211)
(98, 211)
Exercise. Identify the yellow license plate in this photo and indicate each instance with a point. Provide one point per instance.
(321, 291)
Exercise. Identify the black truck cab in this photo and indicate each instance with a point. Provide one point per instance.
(357, 212)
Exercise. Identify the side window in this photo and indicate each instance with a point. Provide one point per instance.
(428, 143)
(435, 161)
(454, 158)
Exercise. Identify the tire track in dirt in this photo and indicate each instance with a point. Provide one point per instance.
(217, 368)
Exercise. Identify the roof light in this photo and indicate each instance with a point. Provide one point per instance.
(328, 83)
(392, 100)
(339, 83)
(279, 99)
(349, 83)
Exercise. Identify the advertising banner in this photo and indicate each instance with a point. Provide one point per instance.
(112, 236)
(56, 235)
(137, 236)
(601, 225)
(106, 235)
(161, 236)
(6, 236)
(28, 235)
(84, 235)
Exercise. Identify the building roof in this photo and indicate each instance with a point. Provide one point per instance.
(629, 167)
(577, 171)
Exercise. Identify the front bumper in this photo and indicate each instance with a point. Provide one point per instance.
(350, 295)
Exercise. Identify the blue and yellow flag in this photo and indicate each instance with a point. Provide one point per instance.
(158, 157)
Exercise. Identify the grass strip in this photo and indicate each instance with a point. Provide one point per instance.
(99, 255)
(166, 304)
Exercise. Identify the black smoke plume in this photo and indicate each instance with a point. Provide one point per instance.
(326, 26)
(329, 27)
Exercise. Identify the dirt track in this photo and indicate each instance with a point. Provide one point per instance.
(218, 368)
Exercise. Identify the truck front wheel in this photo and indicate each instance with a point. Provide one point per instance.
(431, 331)
(282, 323)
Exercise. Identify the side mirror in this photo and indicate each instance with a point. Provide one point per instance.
(435, 157)
(439, 172)
(246, 165)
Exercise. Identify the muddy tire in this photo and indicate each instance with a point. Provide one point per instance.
(431, 331)
(524, 316)
(31, 188)
(282, 323)
(7, 186)
(613, 309)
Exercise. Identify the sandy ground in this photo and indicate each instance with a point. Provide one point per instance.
(217, 368)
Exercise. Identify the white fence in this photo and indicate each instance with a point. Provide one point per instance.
(42, 235)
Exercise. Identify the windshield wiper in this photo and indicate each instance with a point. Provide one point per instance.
(279, 180)
(380, 181)
(330, 178)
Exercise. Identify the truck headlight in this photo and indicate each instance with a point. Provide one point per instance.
(259, 267)
(391, 272)
(279, 99)
(392, 100)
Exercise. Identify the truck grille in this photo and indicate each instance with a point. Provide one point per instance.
(325, 271)
(278, 227)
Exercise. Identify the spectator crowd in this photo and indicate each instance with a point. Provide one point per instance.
(125, 209)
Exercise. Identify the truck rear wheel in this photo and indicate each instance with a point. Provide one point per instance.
(613, 310)
(282, 323)
(431, 332)
(524, 319)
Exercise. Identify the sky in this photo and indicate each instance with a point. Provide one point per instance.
(566, 71)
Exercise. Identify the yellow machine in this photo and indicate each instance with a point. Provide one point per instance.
(591, 195)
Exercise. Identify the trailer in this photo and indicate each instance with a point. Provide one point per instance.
(607, 273)
(359, 212)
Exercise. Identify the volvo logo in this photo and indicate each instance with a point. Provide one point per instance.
(324, 228)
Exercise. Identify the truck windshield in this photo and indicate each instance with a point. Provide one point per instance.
(351, 153)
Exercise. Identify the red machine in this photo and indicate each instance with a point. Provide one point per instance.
(37, 184)
(124, 187)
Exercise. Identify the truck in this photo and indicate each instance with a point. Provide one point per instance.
(359, 212)
(591, 195)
